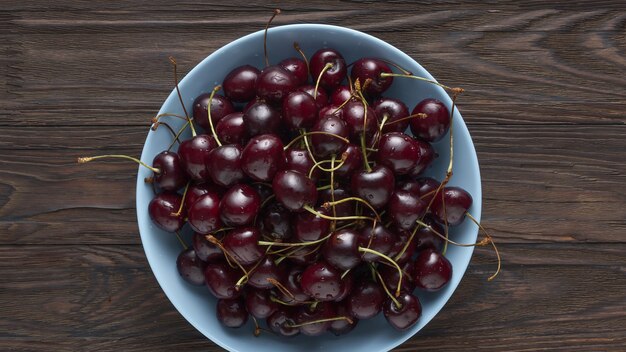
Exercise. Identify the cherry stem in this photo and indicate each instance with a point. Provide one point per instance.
(323, 216)
(391, 261)
(296, 244)
(182, 129)
(218, 87)
(156, 121)
(181, 240)
(299, 50)
(404, 71)
(407, 244)
(348, 199)
(419, 115)
(182, 202)
(304, 134)
(306, 144)
(267, 26)
(281, 287)
(332, 167)
(257, 328)
(216, 242)
(382, 283)
(488, 236)
(363, 145)
(327, 67)
(180, 97)
(117, 156)
(453, 90)
(332, 188)
(320, 321)
(169, 128)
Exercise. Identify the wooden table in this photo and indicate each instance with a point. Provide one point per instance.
(545, 103)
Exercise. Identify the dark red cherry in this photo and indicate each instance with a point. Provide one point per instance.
(281, 322)
(232, 312)
(432, 270)
(450, 205)
(398, 152)
(330, 110)
(369, 68)
(204, 214)
(375, 187)
(239, 205)
(196, 191)
(366, 300)
(205, 250)
(292, 284)
(264, 190)
(162, 210)
(333, 76)
(224, 165)
(259, 304)
(262, 157)
(428, 238)
(324, 145)
(435, 125)
(299, 110)
(171, 175)
(275, 83)
(354, 113)
(190, 267)
(299, 159)
(346, 287)
(353, 161)
(240, 83)
(427, 156)
(193, 154)
(379, 239)
(405, 208)
(341, 209)
(232, 130)
(405, 316)
(242, 244)
(341, 94)
(304, 255)
(261, 118)
(294, 190)
(425, 187)
(306, 315)
(342, 249)
(298, 68)
(220, 107)
(276, 221)
(402, 237)
(310, 227)
(391, 275)
(261, 272)
(220, 278)
(343, 326)
(321, 98)
(321, 281)
(391, 110)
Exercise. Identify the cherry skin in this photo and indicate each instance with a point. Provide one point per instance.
(294, 190)
(405, 208)
(304, 255)
(259, 304)
(299, 159)
(306, 314)
(324, 145)
(232, 130)
(196, 191)
(379, 239)
(424, 187)
(276, 221)
(298, 68)
(261, 118)
(450, 205)
(321, 281)
(193, 154)
(398, 152)
(220, 278)
(342, 249)
(427, 155)
(366, 300)
(274, 83)
(342, 209)
(405, 316)
(171, 175)
(205, 250)
(311, 227)
(321, 98)
(190, 267)
(353, 161)
(392, 110)
(220, 107)
(334, 110)
(333, 76)
(232, 312)
(390, 276)
(341, 94)
(240, 83)
(292, 284)
(162, 210)
(376, 187)
(204, 214)
(224, 165)
(427, 237)
(346, 288)
(242, 244)
(354, 113)
(281, 321)
(432, 270)
(262, 157)
(239, 205)
(435, 125)
(342, 327)
(369, 68)
(299, 110)
(266, 269)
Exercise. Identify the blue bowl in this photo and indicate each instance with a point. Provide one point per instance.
(195, 303)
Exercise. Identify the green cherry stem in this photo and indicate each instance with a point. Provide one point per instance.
(391, 261)
(87, 159)
(348, 199)
(327, 67)
(180, 97)
(323, 216)
(320, 321)
(382, 283)
(217, 87)
(453, 90)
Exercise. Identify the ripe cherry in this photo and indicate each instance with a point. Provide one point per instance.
(240, 83)
(398, 152)
(276, 221)
(432, 270)
(341, 94)
(369, 68)
(232, 312)
(450, 205)
(354, 113)
(190, 267)
(262, 157)
(239, 205)
(311, 227)
(299, 159)
(321, 98)
(375, 187)
(274, 83)
(366, 300)
(261, 118)
(392, 110)
(281, 322)
(259, 304)
(353, 161)
(221, 279)
(224, 165)
(435, 125)
(334, 75)
(405, 208)
(232, 130)
(426, 237)
(324, 144)
(298, 68)
(321, 281)
(193, 153)
(427, 155)
(220, 107)
(299, 110)
(306, 315)
(242, 244)
(342, 326)
(379, 239)
(292, 284)
(197, 190)
(405, 316)
(342, 249)
(204, 214)
(294, 190)
(261, 275)
(205, 250)
(171, 175)
(163, 210)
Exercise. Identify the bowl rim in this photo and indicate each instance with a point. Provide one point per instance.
(152, 257)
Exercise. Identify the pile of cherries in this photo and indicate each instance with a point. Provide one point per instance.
(306, 197)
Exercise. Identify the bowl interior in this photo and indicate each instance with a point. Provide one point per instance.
(195, 303)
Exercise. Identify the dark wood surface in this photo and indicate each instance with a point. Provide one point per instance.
(545, 103)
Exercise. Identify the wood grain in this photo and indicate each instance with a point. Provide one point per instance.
(545, 104)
